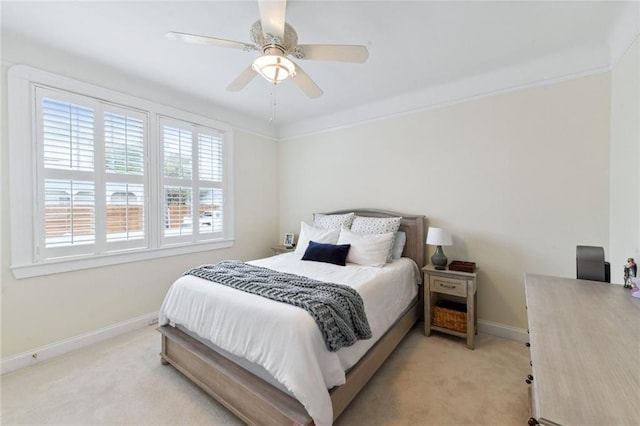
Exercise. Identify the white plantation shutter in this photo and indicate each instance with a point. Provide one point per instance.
(124, 163)
(92, 153)
(69, 207)
(67, 135)
(178, 205)
(210, 167)
(192, 180)
(177, 152)
(66, 192)
(210, 156)
(125, 218)
(124, 144)
(177, 147)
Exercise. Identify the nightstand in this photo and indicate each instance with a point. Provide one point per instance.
(282, 249)
(446, 295)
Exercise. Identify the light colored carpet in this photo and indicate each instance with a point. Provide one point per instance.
(427, 381)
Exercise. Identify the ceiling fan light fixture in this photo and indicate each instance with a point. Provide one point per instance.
(274, 68)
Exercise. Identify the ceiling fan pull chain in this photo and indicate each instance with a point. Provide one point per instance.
(273, 104)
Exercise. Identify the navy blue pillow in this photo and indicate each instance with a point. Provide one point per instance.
(328, 253)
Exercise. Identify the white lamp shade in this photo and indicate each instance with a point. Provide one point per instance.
(274, 68)
(438, 237)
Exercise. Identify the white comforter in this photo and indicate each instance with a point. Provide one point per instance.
(285, 339)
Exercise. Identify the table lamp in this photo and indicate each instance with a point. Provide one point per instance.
(438, 237)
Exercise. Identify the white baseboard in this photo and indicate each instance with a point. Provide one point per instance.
(504, 331)
(62, 347)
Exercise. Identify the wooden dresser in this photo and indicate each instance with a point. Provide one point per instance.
(585, 352)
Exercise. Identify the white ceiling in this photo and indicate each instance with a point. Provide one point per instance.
(422, 53)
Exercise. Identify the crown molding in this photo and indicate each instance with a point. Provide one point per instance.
(544, 71)
(552, 69)
(625, 33)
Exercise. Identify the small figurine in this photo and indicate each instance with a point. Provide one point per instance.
(630, 271)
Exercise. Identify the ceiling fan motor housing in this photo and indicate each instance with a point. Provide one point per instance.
(269, 43)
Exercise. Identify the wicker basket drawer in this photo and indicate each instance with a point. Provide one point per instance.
(450, 286)
(450, 315)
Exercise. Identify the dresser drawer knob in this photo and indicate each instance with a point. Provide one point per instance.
(528, 344)
(532, 422)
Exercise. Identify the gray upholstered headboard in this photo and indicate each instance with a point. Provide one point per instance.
(412, 225)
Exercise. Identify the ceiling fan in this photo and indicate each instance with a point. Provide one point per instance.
(276, 40)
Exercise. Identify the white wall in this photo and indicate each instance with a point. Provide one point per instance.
(625, 161)
(519, 178)
(39, 311)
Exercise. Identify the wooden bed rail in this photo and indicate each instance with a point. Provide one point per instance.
(253, 400)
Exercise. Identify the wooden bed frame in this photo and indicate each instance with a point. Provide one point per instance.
(254, 400)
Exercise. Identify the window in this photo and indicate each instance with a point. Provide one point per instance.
(73, 134)
(110, 178)
(192, 159)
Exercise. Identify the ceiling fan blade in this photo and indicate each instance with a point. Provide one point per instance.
(242, 80)
(272, 15)
(304, 82)
(198, 39)
(334, 52)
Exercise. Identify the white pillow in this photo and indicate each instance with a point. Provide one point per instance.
(398, 245)
(310, 233)
(376, 225)
(367, 250)
(332, 221)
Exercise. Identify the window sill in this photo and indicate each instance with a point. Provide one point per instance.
(76, 264)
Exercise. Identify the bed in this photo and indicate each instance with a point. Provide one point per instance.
(256, 396)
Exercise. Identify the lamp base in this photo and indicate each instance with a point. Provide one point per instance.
(438, 259)
(440, 268)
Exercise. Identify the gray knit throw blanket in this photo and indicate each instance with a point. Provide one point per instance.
(337, 309)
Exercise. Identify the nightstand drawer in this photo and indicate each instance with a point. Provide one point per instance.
(448, 286)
